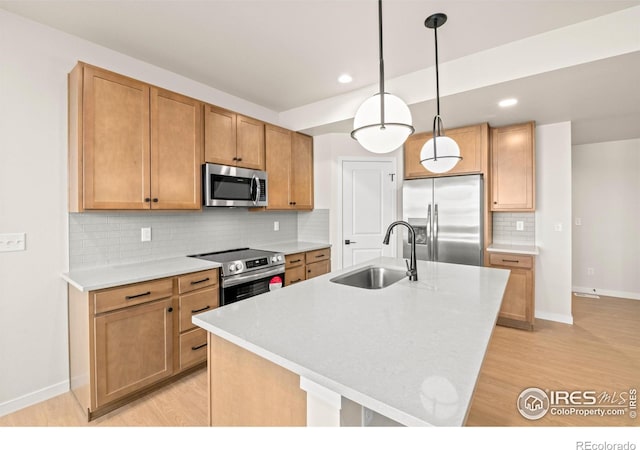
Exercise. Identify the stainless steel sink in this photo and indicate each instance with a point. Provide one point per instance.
(370, 277)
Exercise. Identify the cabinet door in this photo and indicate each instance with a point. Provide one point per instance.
(219, 136)
(472, 141)
(516, 303)
(176, 151)
(278, 145)
(115, 130)
(250, 143)
(295, 275)
(302, 172)
(133, 349)
(513, 168)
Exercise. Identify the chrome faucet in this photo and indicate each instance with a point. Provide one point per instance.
(412, 269)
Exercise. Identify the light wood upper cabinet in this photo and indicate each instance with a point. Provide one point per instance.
(232, 139)
(513, 168)
(473, 143)
(176, 143)
(302, 171)
(278, 146)
(289, 163)
(131, 145)
(114, 146)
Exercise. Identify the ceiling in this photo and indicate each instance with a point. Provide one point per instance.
(285, 54)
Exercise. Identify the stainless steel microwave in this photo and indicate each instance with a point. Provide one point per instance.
(233, 186)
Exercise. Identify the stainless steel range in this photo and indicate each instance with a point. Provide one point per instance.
(247, 272)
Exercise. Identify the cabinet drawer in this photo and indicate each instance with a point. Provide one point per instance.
(197, 280)
(294, 275)
(318, 268)
(295, 260)
(195, 303)
(132, 294)
(318, 255)
(193, 347)
(511, 260)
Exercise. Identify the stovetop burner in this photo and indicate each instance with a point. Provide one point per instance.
(242, 260)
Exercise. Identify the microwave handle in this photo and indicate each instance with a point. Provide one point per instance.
(256, 182)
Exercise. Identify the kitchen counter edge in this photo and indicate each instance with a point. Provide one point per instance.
(291, 247)
(122, 274)
(515, 249)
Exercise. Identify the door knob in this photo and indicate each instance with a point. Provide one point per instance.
(347, 242)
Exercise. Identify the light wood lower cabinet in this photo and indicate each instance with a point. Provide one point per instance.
(127, 340)
(518, 303)
(306, 265)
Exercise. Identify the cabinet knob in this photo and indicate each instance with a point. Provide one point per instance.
(239, 159)
(170, 309)
(155, 200)
(147, 200)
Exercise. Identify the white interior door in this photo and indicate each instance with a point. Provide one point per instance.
(368, 207)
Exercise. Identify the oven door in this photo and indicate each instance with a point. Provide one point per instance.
(241, 287)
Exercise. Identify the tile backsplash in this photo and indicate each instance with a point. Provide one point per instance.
(108, 238)
(505, 232)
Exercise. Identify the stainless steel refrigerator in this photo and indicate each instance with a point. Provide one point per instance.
(447, 216)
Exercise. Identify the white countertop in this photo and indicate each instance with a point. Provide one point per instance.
(110, 276)
(289, 248)
(411, 351)
(509, 248)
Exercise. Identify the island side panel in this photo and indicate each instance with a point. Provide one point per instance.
(247, 390)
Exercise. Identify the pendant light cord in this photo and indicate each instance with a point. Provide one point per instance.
(382, 127)
(435, 32)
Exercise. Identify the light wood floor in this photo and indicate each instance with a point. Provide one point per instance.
(600, 352)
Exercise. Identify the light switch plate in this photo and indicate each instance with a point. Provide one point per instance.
(276, 226)
(145, 235)
(12, 242)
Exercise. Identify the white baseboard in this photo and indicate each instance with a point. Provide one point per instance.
(33, 398)
(555, 317)
(607, 292)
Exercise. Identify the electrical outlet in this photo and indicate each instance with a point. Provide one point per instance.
(557, 227)
(145, 234)
(519, 225)
(12, 242)
(276, 226)
(590, 271)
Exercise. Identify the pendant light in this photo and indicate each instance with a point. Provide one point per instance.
(383, 122)
(440, 153)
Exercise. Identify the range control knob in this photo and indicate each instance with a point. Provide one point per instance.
(279, 257)
(232, 267)
(239, 266)
(274, 259)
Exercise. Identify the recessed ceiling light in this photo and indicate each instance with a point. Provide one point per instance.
(345, 78)
(508, 102)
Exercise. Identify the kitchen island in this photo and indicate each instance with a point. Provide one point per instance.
(410, 352)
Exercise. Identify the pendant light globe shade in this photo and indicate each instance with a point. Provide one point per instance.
(448, 155)
(368, 131)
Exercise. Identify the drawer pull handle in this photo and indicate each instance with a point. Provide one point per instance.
(320, 256)
(199, 281)
(131, 297)
(511, 260)
(194, 311)
(296, 281)
(295, 261)
(198, 347)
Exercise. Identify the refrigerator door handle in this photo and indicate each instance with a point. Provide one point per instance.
(429, 242)
(435, 232)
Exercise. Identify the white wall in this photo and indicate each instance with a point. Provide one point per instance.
(34, 62)
(328, 150)
(553, 210)
(606, 200)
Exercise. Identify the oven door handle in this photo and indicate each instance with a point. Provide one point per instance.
(235, 280)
